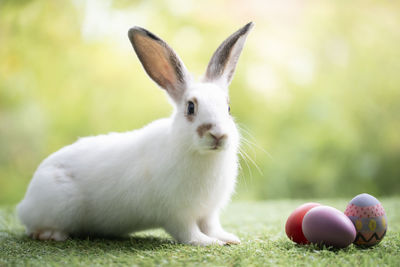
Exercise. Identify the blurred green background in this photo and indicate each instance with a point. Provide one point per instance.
(316, 91)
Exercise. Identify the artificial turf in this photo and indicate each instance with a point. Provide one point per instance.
(260, 226)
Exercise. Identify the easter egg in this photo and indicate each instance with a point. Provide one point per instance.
(369, 218)
(293, 224)
(328, 226)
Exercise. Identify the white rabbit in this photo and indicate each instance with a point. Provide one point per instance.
(175, 173)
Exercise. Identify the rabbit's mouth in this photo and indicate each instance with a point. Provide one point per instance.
(217, 145)
(213, 149)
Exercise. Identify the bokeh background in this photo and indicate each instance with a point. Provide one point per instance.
(316, 92)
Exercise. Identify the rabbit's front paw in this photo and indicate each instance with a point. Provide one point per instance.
(227, 238)
(49, 235)
(205, 241)
(190, 234)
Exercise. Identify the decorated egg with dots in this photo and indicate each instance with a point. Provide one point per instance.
(369, 218)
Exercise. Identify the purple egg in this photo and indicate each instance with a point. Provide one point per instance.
(328, 226)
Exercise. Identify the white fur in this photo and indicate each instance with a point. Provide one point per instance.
(163, 175)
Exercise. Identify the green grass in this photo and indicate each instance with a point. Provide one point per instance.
(260, 225)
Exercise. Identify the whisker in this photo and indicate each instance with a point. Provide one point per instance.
(241, 174)
(244, 128)
(252, 161)
(251, 143)
(245, 161)
(248, 144)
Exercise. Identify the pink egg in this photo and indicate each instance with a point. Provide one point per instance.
(328, 226)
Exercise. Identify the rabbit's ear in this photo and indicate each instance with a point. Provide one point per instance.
(159, 61)
(223, 62)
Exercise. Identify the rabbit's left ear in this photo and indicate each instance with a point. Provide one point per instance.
(223, 62)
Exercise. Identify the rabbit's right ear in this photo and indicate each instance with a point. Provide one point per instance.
(159, 61)
(223, 62)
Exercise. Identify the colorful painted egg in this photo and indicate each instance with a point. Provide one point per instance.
(328, 226)
(293, 224)
(369, 218)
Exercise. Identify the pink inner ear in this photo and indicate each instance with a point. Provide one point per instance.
(155, 59)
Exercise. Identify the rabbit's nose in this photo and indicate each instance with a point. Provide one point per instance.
(218, 137)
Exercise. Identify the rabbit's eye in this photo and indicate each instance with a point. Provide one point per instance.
(190, 108)
(229, 109)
